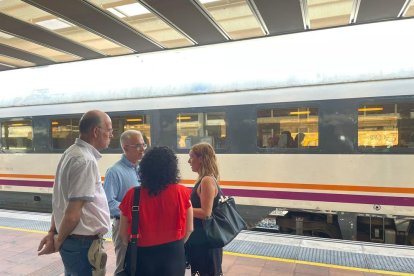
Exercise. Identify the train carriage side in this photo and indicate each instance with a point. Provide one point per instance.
(329, 167)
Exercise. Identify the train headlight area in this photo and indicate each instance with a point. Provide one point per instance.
(252, 251)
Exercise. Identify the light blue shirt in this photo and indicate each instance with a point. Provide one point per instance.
(118, 180)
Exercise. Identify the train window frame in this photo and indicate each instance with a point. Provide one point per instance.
(15, 150)
(382, 101)
(125, 114)
(290, 150)
(50, 123)
(204, 110)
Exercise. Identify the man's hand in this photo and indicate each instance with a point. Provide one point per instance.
(46, 245)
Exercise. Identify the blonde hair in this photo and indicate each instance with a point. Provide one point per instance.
(206, 153)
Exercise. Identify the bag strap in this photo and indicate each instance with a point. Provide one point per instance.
(219, 192)
(134, 229)
(135, 212)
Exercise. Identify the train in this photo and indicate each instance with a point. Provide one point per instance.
(309, 130)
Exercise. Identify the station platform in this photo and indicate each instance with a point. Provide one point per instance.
(251, 253)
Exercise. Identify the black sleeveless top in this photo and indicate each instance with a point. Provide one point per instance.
(198, 235)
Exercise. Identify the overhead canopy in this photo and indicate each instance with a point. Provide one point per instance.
(41, 32)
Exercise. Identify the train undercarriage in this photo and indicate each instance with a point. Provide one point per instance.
(346, 225)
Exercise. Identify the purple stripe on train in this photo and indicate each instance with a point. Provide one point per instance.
(343, 198)
(27, 183)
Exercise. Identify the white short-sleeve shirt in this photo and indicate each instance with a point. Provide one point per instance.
(78, 178)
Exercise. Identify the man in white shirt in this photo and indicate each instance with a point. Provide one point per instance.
(80, 210)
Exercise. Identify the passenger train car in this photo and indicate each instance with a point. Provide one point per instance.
(316, 128)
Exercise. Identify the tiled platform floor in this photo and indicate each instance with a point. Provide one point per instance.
(18, 256)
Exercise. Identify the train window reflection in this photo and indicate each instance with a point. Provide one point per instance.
(139, 122)
(287, 128)
(17, 135)
(64, 132)
(386, 125)
(193, 128)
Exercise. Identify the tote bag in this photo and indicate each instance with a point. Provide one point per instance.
(224, 223)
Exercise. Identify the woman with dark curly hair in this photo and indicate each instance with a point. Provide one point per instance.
(165, 215)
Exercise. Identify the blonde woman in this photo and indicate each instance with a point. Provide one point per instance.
(204, 261)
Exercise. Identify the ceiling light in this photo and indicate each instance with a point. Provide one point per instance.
(6, 36)
(370, 109)
(299, 113)
(207, 1)
(7, 65)
(132, 9)
(184, 118)
(116, 12)
(54, 24)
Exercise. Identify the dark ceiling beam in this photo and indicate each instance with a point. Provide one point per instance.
(188, 18)
(23, 55)
(376, 10)
(280, 16)
(91, 18)
(43, 37)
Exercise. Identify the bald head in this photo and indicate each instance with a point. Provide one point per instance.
(90, 120)
(95, 128)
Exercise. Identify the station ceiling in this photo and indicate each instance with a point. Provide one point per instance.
(43, 32)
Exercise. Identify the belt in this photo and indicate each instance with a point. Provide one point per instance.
(84, 237)
(116, 217)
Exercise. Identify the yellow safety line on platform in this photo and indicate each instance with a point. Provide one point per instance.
(261, 257)
(317, 264)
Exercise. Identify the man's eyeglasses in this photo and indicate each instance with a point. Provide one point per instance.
(138, 146)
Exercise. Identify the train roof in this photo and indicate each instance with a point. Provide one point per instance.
(41, 32)
(340, 55)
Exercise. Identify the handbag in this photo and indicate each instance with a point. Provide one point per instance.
(130, 263)
(224, 224)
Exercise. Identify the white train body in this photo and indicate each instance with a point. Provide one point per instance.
(314, 68)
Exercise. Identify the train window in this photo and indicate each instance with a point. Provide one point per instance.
(64, 132)
(193, 128)
(17, 135)
(120, 124)
(386, 125)
(287, 128)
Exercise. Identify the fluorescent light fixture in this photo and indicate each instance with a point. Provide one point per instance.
(184, 118)
(54, 24)
(132, 9)
(7, 65)
(134, 120)
(6, 36)
(207, 1)
(299, 113)
(365, 109)
(116, 12)
(55, 123)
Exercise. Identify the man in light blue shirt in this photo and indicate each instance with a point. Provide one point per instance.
(118, 180)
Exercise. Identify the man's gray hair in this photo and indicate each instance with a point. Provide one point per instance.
(128, 134)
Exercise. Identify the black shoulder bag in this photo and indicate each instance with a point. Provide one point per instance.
(224, 223)
(130, 264)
